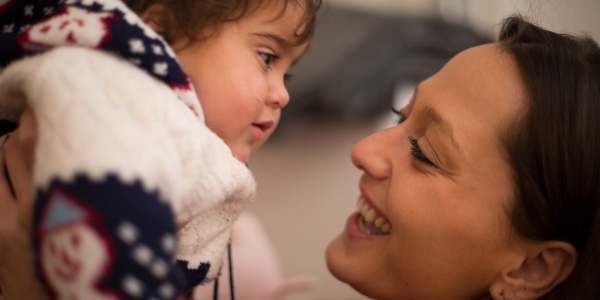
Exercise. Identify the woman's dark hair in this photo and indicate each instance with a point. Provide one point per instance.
(190, 17)
(554, 148)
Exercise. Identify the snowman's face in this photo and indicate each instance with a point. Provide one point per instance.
(75, 253)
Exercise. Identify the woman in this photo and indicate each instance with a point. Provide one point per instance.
(489, 185)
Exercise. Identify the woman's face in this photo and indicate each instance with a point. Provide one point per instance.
(441, 187)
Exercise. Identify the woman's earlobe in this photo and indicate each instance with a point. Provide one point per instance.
(547, 265)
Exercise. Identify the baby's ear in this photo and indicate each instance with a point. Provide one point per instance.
(155, 17)
(545, 266)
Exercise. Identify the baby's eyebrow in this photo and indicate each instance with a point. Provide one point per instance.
(275, 37)
(284, 43)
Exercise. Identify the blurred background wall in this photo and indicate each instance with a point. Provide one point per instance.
(561, 15)
(307, 184)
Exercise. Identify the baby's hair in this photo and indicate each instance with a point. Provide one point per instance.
(189, 18)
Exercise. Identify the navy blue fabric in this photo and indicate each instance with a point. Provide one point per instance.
(133, 225)
(31, 27)
(193, 277)
(17, 17)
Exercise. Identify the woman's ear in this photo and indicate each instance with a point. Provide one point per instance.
(545, 266)
(155, 17)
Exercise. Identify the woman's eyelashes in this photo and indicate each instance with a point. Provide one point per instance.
(418, 154)
(401, 116)
(415, 149)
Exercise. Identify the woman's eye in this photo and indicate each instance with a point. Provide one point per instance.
(401, 116)
(267, 58)
(418, 154)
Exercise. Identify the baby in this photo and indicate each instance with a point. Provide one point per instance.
(144, 121)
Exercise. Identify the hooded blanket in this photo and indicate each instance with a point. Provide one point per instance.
(126, 173)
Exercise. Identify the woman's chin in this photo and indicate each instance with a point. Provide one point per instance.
(339, 262)
(335, 257)
(343, 254)
(348, 269)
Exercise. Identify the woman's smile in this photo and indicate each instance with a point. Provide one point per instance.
(370, 221)
(367, 222)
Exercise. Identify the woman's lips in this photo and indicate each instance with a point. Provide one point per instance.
(352, 230)
(358, 229)
(371, 220)
(367, 222)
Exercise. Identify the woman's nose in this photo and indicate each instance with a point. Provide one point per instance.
(372, 155)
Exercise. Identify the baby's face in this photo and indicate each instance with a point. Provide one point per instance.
(239, 75)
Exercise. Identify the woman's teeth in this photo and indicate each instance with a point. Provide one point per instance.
(370, 221)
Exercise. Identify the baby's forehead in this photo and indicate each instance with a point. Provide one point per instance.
(297, 15)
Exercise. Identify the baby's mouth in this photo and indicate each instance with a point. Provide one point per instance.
(369, 221)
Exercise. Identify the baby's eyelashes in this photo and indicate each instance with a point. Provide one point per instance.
(268, 58)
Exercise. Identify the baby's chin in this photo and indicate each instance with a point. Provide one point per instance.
(242, 153)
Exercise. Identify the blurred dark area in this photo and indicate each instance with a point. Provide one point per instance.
(357, 59)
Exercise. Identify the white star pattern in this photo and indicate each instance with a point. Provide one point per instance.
(127, 232)
(8, 28)
(24, 28)
(170, 52)
(166, 290)
(168, 243)
(142, 254)
(148, 32)
(157, 50)
(112, 5)
(88, 2)
(132, 286)
(48, 10)
(129, 18)
(159, 268)
(161, 69)
(28, 10)
(136, 46)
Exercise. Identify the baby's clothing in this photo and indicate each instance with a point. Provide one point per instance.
(127, 175)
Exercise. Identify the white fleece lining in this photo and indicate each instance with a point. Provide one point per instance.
(99, 114)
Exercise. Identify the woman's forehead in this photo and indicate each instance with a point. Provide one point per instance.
(475, 96)
(479, 81)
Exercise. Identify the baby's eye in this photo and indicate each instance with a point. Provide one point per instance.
(267, 58)
(401, 116)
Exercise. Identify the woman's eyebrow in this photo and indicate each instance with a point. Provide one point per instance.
(432, 115)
